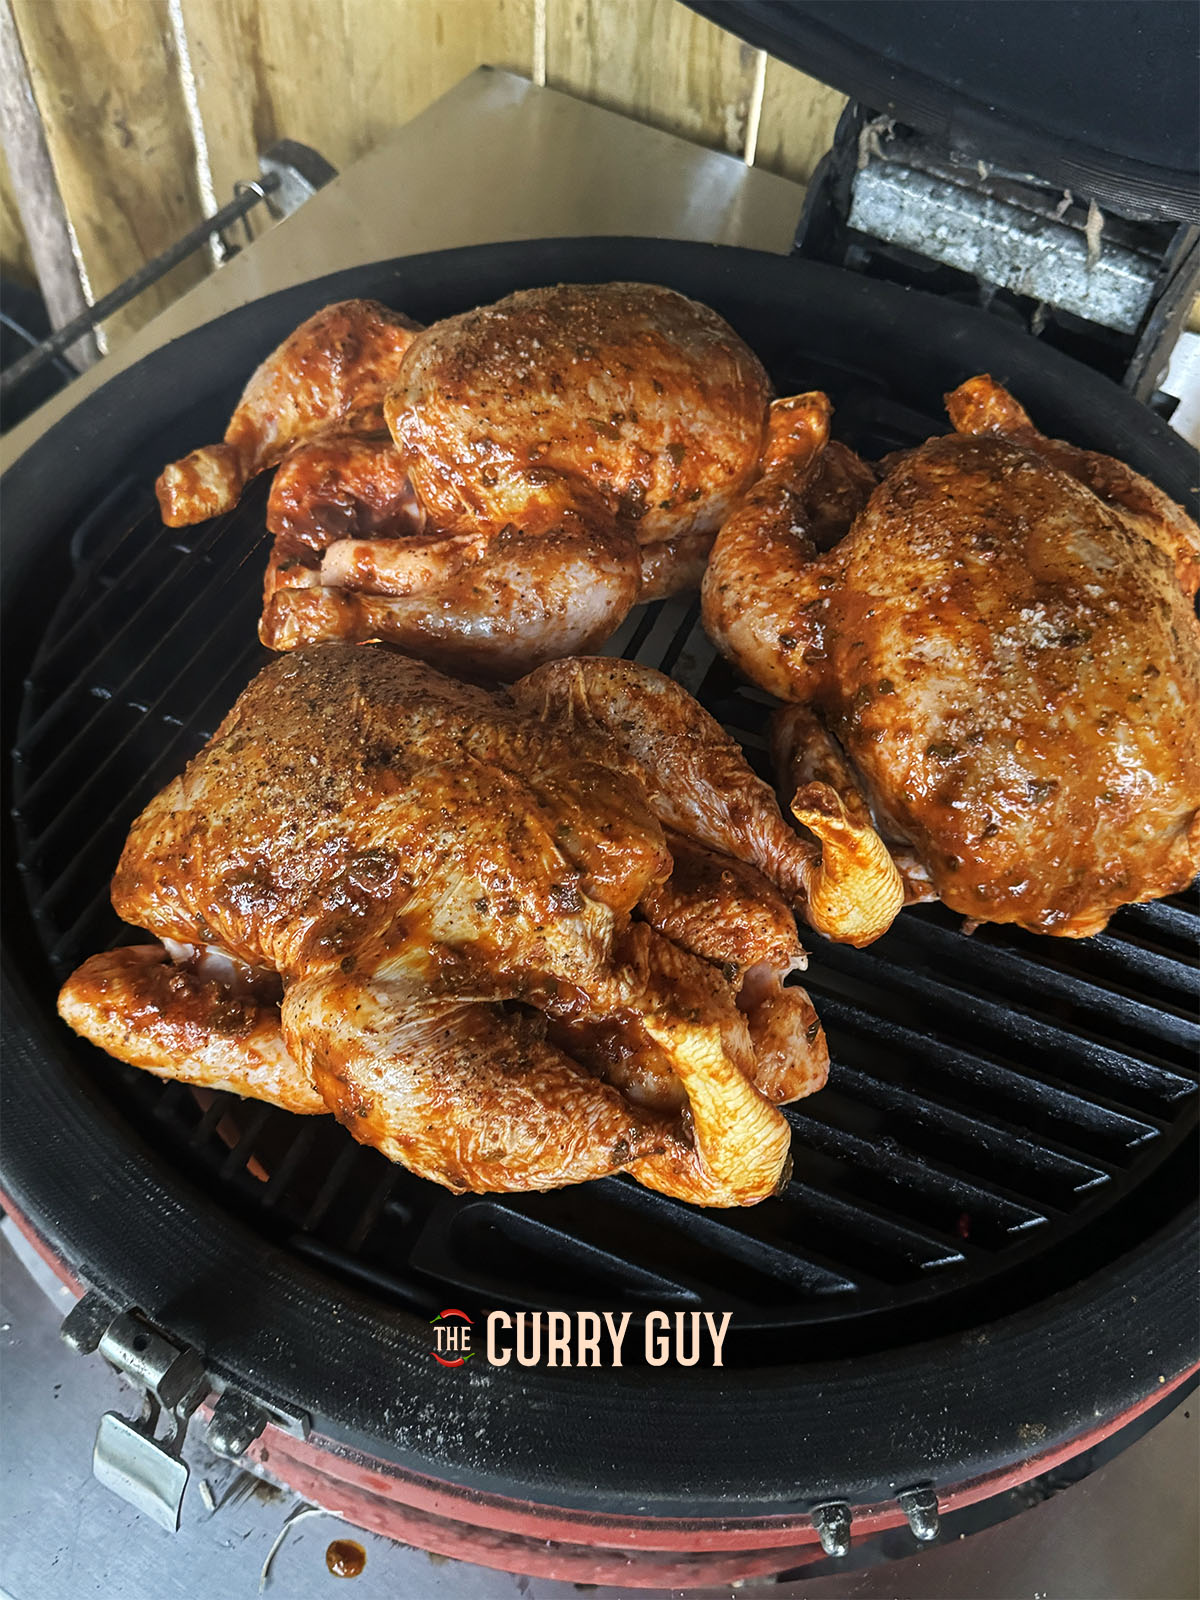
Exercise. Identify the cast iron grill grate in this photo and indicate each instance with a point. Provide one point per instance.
(992, 1096)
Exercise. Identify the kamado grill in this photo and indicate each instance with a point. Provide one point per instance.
(984, 1266)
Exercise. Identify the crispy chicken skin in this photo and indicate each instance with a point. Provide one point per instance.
(552, 459)
(1005, 645)
(462, 928)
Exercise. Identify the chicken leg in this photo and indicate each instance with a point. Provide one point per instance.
(842, 880)
(478, 606)
(335, 369)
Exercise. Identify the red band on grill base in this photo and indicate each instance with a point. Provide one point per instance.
(579, 1546)
(587, 1547)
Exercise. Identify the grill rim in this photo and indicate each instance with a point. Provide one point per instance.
(161, 1268)
(951, 1409)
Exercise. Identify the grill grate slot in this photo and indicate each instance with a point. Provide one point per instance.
(241, 1148)
(163, 679)
(415, 1296)
(328, 1192)
(932, 1071)
(279, 1181)
(886, 1176)
(118, 800)
(1088, 1007)
(1121, 967)
(220, 1107)
(1104, 1075)
(107, 644)
(1163, 928)
(991, 1097)
(866, 1237)
(496, 1245)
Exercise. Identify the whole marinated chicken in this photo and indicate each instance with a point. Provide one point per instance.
(552, 459)
(512, 941)
(1003, 646)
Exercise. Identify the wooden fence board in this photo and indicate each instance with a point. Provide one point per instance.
(339, 77)
(107, 83)
(14, 247)
(799, 115)
(654, 60)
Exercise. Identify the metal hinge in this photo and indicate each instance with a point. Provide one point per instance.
(134, 1457)
(1113, 289)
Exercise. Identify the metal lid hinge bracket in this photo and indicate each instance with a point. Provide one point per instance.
(132, 1457)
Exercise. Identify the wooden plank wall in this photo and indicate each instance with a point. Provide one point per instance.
(153, 108)
(656, 61)
(338, 77)
(106, 78)
(14, 247)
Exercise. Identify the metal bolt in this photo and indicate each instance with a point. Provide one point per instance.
(919, 1505)
(236, 1422)
(832, 1522)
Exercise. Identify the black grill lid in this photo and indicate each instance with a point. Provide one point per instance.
(986, 1243)
(1098, 95)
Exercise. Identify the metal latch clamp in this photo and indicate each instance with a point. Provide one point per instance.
(132, 1457)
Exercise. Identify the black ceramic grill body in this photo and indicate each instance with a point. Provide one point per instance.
(990, 1237)
(1035, 109)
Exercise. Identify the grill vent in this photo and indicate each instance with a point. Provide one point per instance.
(991, 1097)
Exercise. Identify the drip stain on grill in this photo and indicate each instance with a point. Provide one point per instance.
(991, 1096)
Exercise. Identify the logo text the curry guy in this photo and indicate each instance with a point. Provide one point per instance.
(581, 1338)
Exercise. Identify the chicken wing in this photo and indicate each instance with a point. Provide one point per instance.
(163, 1016)
(335, 369)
